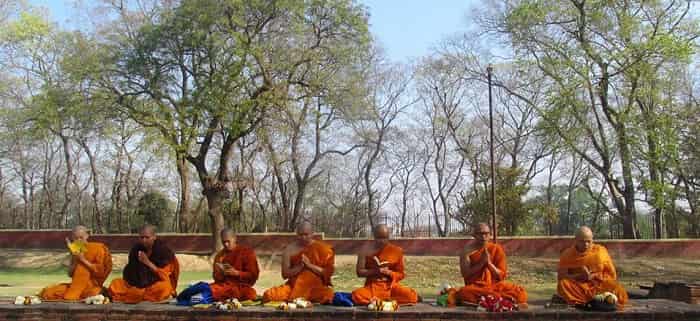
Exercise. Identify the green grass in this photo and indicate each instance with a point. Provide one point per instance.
(15, 281)
(425, 274)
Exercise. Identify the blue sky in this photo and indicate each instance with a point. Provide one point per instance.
(406, 29)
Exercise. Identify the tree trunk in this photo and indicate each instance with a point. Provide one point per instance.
(95, 187)
(215, 200)
(629, 214)
(367, 173)
(404, 209)
(69, 174)
(298, 206)
(657, 194)
(184, 213)
(283, 211)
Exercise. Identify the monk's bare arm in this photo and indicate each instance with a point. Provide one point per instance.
(87, 263)
(143, 258)
(563, 273)
(360, 267)
(493, 267)
(495, 271)
(313, 267)
(466, 268)
(288, 270)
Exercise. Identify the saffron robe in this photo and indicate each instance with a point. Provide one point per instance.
(385, 287)
(240, 287)
(484, 283)
(307, 284)
(84, 282)
(598, 262)
(140, 283)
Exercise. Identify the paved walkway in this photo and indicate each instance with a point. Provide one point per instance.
(638, 310)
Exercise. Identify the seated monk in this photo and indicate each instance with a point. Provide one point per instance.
(88, 269)
(483, 267)
(307, 264)
(150, 274)
(382, 264)
(235, 270)
(586, 269)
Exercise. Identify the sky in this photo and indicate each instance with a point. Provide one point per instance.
(405, 29)
(408, 29)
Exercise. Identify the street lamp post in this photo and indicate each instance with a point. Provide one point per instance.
(489, 71)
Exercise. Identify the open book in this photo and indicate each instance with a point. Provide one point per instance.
(77, 247)
(577, 271)
(223, 266)
(381, 263)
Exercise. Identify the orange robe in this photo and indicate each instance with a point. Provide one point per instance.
(164, 289)
(598, 261)
(385, 288)
(240, 287)
(84, 282)
(307, 284)
(484, 283)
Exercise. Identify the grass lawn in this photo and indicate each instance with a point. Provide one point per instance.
(424, 274)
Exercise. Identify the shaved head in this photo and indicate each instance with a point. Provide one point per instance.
(583, 239)
(147, 235)
(481, 233)
(227, 232)
(305, 227)
(584, 231)
(381, 231)
(381, 235)
(149, 229)
(482, 227)
(80, 232)
(228, 239)
(305, 233)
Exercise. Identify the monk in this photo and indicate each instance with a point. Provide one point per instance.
(586, 269)
(307, 264)
(381, 263)
(151, 272)
(235, 270)
(88, 270)
(483, 267)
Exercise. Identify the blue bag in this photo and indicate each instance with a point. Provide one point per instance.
(199, 293)
(342, 299)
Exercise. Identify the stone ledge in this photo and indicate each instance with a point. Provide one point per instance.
(639, 310)
(271, 243)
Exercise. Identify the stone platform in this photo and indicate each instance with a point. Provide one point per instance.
(638, 310)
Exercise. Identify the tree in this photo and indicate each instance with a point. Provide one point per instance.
(594, 56)
(388, 87)
(153, 208)
(513, 213)
(206, 72)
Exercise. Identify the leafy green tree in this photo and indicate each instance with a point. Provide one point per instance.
(206, 73)
(513, 214)
(599, 58)
(153, 208)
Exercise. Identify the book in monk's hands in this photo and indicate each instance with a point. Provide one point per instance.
(223, 266)
(77, 247)
(576, 271)
(381, 263)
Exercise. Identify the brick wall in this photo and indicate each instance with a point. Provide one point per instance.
(266, 243)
